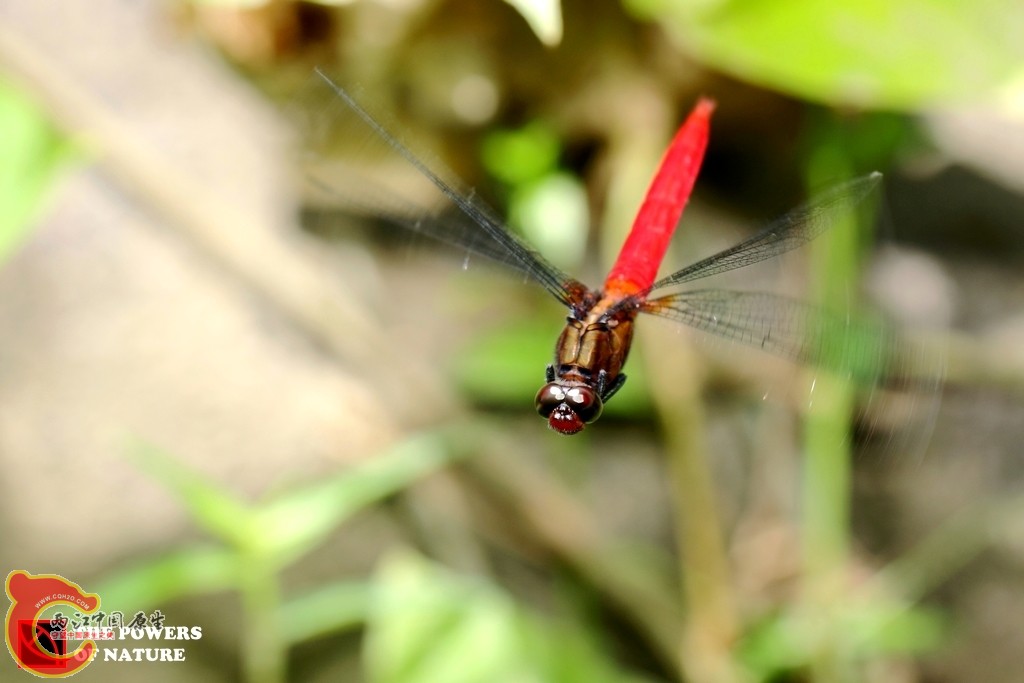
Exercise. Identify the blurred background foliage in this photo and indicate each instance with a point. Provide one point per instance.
(317, 441)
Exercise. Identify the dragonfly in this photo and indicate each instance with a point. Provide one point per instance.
(592, 349)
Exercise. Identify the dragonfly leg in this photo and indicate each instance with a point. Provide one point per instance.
(549, 373)
(605, 390)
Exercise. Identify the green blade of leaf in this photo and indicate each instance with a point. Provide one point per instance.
(208, 503)
(191, 571)
(287, 526)
(330, 609)
(33, 153)
(429, 625)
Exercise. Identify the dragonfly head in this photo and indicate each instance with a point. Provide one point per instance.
(568, 408)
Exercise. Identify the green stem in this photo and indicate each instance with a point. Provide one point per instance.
(711, 626)
(711, 629)
(826, 508)
(827, 434)
(263, 651)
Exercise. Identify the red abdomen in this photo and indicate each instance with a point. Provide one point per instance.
(648, 239)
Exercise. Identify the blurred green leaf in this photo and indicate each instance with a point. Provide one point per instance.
(864, 631)
(553, 213)
(286, 527)
(521, 155)
(774, 646)
(868, 140)
(427, 625)
(504, 367)
(550, 207)
(880, 53)
(187, 571)
(33, 152)
(290, 525)
(882, 628)
(210, 505)
(329, 609)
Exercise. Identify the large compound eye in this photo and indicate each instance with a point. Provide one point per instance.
(568, 409)
(548, 398)
(585, 402)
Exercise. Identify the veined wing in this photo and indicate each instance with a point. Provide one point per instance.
(793, 230)
(460, 218)
(861, 349)
(364, 198)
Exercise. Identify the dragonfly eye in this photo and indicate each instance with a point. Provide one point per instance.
(568, 409)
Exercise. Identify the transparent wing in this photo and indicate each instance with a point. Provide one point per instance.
(440, 207)
(793, 230)
(861, 349)
(365, 199)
